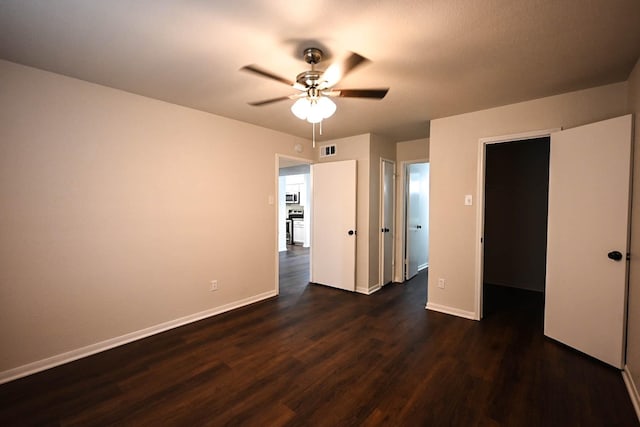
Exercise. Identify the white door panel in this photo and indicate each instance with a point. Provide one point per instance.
(333, 238)
(387, 223)
(585, 295)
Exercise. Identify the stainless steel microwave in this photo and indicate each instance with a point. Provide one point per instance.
(292, 198)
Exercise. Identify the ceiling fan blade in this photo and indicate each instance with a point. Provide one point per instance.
(268, 74)
(272, 100)
(358, 93)
(337, 71)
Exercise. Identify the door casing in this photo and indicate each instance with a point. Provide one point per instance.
(480, 203)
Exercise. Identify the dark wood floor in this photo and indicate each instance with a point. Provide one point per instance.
(317, 356)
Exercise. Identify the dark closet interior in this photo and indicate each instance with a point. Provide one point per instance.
(515, 228)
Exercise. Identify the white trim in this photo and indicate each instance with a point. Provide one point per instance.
(452, 311)
(519, 136)
(632, 389)
(479, 256)
(70, 356)
(368, 291)
(423, 266)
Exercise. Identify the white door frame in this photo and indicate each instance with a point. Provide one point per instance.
(302, 160)
(381, 235)
(480, 200)
(401, 237)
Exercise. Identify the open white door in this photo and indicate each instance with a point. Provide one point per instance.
(387, 221)
(585, 296)
(333, 238)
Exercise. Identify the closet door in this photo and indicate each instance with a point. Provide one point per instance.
(588, 238)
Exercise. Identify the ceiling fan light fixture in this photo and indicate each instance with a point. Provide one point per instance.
(313, 110)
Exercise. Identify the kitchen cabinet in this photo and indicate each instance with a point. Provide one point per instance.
(298, 184)
(299, 231)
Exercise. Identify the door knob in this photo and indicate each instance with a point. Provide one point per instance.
(386, 230)
(351, 232)
(419, 227)
(615, 255)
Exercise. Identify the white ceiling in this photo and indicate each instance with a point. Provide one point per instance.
(439, 57)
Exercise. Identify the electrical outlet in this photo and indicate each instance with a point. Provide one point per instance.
(441, 283)
(214, 285)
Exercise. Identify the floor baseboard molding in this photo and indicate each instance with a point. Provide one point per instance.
(368, 291)
(632, 389)
(451, 310)
(70, 356)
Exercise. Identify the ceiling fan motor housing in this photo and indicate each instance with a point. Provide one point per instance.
(309, 78)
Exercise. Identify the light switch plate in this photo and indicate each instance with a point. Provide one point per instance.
(468, 200)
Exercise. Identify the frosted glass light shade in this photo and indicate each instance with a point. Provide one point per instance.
(314, 115)
(326, 106)
(300, 108)
(313, 110)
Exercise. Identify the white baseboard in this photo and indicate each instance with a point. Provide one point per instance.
(451, 310)
(70, 356)
(632, 389)
(423, 266)
(368, 291)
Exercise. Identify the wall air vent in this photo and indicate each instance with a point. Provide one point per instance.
(328, 150)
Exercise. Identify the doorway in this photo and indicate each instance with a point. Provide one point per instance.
(293, 224)
(588, 235)
(516, 193)
(416, 219)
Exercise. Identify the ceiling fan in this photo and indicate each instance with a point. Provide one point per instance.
(316, 87)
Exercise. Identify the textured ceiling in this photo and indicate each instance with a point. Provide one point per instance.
(439, 57)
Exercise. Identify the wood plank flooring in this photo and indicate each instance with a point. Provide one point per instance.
(316, 356)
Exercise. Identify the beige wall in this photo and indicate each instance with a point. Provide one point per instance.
(412, 150)
(454, 158)
(407, 151)
(115, 213)
(357, 148)
(633, 329)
